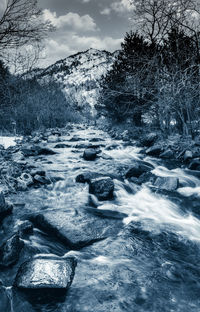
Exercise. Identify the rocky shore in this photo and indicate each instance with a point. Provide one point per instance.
(33, 168)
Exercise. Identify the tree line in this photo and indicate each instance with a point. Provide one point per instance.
(155, 78)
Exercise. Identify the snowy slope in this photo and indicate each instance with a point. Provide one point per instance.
(79, 75)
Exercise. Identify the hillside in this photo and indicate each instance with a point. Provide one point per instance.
(79, 75)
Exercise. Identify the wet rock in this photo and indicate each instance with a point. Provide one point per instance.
(5, 305)
(144, 178)
(187, 155)
(155, 150)
(5, 208)
(149, 139)
(30, 150)
(167, 183)
(46, 151)
(194, 165)
(61, 145)
(41, 179)
(138, 168)
(40, 172)
(25, 227)
(76, 229)
(102, 188)
(46, 273)
(26, 178)
(167, 154)
(35, 150)
(86, 177)
(90, 154)
(10, 251)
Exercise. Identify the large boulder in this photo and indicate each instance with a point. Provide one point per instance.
(5, 208)
(155, 150)
(10, 251)
(46, 273)
(35, 150)
(76, 229)
(102, 188)
(167, 183)
(149, 139)
(138, 168)
(188, 155)
(86, 177)
(194, 165)
(90, 154)
(167, 154)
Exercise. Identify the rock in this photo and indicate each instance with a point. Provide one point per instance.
(5, 305)
(39, 172)
(53, 139)
(102, 188)
(167, 183)
(61, 145)
(155, 150)
(30, 150)
(144, 178)
(5, 208)
(25, 227)
(167, 154)
(76, 229)
(35, 150)
(46, 151)
(41, 179)
(90, 154)
(187, 155)
(149, 139)
(10, 251)
(138, 168)
(46, 273)
(194, 165)
(26, 178)
(86, 177)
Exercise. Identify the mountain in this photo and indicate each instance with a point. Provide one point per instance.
(79, 75)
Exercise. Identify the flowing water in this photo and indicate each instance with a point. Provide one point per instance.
(151, 265)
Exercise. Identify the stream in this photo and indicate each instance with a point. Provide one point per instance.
(151, 264)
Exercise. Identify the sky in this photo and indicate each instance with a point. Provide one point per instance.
(84, 24)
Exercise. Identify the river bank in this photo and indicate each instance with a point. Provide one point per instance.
(125, 224)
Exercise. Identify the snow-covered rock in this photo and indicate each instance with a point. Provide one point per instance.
(79, 75)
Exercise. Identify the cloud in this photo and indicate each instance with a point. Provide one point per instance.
(71, 20)
(106, 11)
(86, 1)
(71, 43)
(120, 6)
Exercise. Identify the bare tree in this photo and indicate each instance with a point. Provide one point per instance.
(157, 17)
(21, 24)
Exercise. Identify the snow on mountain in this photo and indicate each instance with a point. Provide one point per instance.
(79, 75)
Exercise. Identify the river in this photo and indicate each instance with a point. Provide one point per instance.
(151, 265)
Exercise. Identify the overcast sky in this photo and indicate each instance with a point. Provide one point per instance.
(84, 24)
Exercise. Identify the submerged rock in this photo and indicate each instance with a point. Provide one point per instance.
(187, 155)
(53, 139)
(102, 188)
(90, 154)
(10, 251)
(41, 179)
(76, 229)
(167, 183)
(61, 145)
(42, 273)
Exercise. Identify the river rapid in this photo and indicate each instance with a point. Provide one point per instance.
(151, 265)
